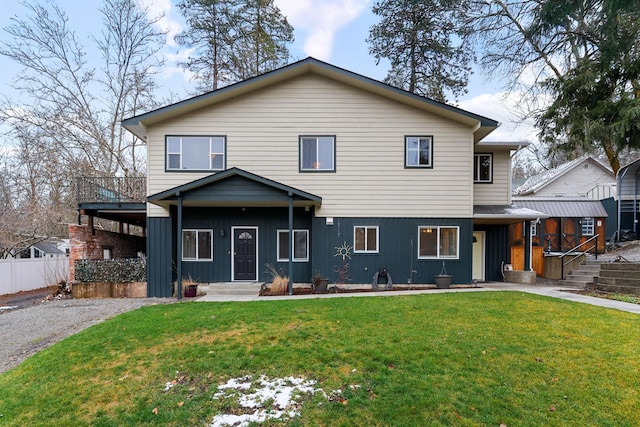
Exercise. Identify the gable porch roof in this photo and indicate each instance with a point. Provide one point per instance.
(234, 187)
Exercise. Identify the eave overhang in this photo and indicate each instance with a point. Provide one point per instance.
(481, 126)
(504, 214)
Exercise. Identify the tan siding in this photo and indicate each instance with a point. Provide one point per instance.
(262, 137)
(497, 193)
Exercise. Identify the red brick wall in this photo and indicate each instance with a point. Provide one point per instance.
(85, 245)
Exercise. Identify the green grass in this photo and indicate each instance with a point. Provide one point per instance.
(466, 359)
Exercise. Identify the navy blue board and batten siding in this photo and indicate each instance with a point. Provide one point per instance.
(397, 253)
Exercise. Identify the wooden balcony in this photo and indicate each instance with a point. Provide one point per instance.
(111, 190)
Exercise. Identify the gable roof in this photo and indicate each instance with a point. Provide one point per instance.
(543, 179)
(241, 188)
(481, 126)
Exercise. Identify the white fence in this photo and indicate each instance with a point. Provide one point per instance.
(32, 273)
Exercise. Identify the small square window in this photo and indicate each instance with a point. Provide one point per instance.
(588, 227)
(483, 168)
(365, 239)
(300, 245)
(317, 153)
(197, 245)
(418, 151)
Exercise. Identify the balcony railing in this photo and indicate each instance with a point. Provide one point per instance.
(111, 189)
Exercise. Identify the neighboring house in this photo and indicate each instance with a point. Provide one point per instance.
(571, 195)
(313, 168)
(49, 248)
(628, 180)
(585, 177)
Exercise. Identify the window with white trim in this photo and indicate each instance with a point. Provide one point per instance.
(588, 226)
(300, 245)
(317, 153)
(365, 239)
(197, 245)
(196, 153)
(438, 242)
(483, 168)
(418, 151)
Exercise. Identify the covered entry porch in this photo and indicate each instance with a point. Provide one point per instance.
(227, 227)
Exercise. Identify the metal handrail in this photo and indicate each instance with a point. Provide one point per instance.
(575, 249)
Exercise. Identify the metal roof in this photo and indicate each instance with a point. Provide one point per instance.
(564, 208)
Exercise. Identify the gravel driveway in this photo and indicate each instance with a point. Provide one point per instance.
(36, 324)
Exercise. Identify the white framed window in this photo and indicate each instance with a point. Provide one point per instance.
(418, 151)
(195, 153)
(483, 168)
(365, 239)
(588, 226)
(300, 245)
(317, 153)
(197, 245)
(436, 242)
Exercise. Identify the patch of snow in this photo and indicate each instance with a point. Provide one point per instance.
(271, 398)
(8, 307)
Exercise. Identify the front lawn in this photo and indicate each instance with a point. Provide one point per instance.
(484, 358)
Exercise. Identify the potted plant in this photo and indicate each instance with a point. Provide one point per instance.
(320, 283)
(443, 280)
(190, 287)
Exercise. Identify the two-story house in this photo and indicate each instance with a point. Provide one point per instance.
(315, 169)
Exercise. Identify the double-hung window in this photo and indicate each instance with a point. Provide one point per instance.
(418, 151)
(196, 153)
(300, 245)
(483, 168)
(318, 153)
(197, 245)
(588, 227)
(438, 242)
(365, 239)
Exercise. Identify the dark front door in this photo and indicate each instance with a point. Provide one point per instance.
(244, 253)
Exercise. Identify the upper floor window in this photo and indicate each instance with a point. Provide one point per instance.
(318, 153)
(438, 242)
(365, 239)
(483, 168)
(588, 227)
(196, 153)
(418, 151)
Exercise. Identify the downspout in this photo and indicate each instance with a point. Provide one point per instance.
(291, 242)
(527, 246)
(179, 250)
(619, 189)
(635, 206)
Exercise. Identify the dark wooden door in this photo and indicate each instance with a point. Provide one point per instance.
(552, 234)
(244, 253)
(569, 233)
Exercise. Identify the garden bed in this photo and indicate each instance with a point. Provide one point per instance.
(352, 289)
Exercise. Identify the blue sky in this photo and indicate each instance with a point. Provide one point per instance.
(330, 30)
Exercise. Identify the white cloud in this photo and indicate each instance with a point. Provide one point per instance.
(503, 107)
(320, 21)
(167, 22)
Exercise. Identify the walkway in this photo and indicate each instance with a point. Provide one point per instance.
(249, 292)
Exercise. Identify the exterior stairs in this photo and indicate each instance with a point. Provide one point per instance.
(584, 276)
(619, 277)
